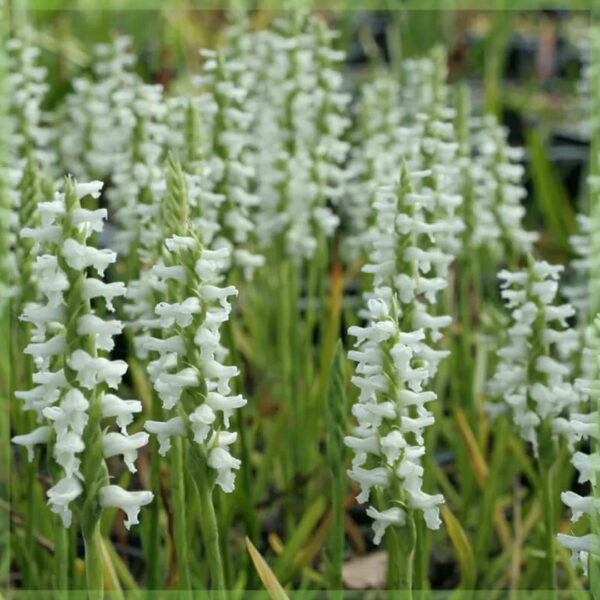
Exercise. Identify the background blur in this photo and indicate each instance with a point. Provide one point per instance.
(526, 66)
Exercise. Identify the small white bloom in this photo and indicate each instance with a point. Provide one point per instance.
(94, 288)
(178, 312)
(113, 496)
(225, 404)
(429, 504)
(103, 330)
(176, 272)
(176, 243)
(367, 478)
(164, 430)
(41, 435)
(94, 219)
(201, 420)
(383, 519)
(117, 443)
(92, 188)
(80, 256)
(67, 445)
(123, 410)
(170, 385)
(61, 495)
(71, 413)
(220, 459)
(91, 371)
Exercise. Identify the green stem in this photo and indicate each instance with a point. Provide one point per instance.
(210, 530)
(94, 562)
(549, 526)
(250, 519)
(179, 513)
(337, 531)
(152, 562)
(421, 562)
(400, 543)
(61, 555)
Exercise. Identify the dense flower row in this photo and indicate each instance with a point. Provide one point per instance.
(72, 376)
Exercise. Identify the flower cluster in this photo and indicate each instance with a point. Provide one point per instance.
(533, 377)
(300, 120)
(499, 190)
(140, 169)
(578, 292)
(584, 426)
(230, 171)
(395, 359)
(29, 130)
(190, 375)
(380, 145)
(95, 124)
(72, 377)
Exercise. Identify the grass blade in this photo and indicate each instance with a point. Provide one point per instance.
(271, 583)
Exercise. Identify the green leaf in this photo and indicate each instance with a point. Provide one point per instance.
(299, 538)
(336, 421)
(463, 549)
(550, 194)
(270, 581)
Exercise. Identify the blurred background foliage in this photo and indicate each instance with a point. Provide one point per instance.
(523, 65)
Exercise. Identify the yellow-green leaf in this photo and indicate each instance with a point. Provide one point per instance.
(271, 583)
(463, 549)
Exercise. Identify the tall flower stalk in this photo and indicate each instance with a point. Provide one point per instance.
(190, 374)
(395, 365)
(533, 379)
(68, 345)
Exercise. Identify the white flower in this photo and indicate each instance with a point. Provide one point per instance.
(220, 459)
(117, 443)
(367, 478)
(113, 496)
(170, 385)
(91, 371)
(382, 520)
(93, 219)
(68, 445)
(41, 435)
(44, 351)
(579, 504)
(201, 420)
(61, 495)
(123, 410)
(176, 272)
(103, 330)
(429, 504)
(71, 413)
(91, 188)
(178, 312)
(225, 404)
(210, 293)
(175, 243)
(215, 370)
(173, 344)
(94, 288)
(164, 431)
(580, 546)
(79, 256)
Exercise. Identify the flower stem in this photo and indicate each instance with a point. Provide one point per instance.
(549, 526)
(94, 563)
(210, 530)
(179, 514)
(61, 555)
(400, 543)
